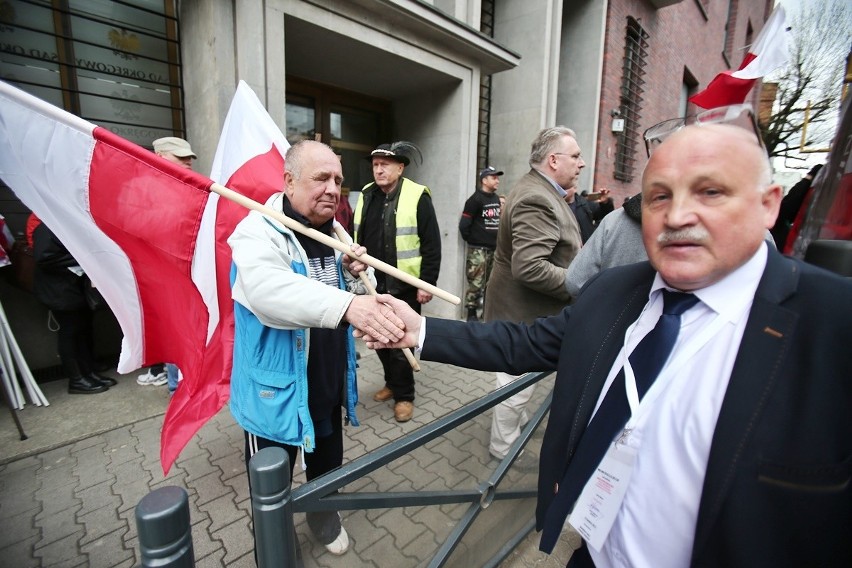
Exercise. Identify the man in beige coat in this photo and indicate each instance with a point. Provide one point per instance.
(537, 240)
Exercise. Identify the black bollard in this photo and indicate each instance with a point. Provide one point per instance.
(165, 535)
(272, 508)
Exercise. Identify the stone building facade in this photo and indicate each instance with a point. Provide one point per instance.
(469, 81)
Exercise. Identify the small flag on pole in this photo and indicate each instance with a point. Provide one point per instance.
(767, 53)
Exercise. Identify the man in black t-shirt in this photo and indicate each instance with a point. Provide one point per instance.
(478, 227)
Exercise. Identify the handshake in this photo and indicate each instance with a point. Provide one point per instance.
(383, 322)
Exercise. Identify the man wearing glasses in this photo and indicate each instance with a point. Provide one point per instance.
(700, 410)
(537, 240)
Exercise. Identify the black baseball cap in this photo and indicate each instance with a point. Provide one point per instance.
(489, 171)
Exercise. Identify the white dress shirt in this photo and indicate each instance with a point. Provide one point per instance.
(655, 526)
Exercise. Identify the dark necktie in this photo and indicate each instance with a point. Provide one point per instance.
(646, 360)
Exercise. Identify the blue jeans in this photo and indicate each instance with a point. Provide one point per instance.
(172, 374)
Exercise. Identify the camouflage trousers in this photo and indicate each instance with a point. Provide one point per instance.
(478, 269)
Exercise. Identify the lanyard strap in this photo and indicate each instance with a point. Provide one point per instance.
(639, 410)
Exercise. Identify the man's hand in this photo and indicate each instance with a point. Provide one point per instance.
(410, 323)
(371, 316)
(602, 195)
(353, 265)
(423, 297)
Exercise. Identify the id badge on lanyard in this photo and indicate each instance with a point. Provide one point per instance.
(600, 501)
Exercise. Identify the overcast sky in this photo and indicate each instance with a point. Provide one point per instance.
(791, 6)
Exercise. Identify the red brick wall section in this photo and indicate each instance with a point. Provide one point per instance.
(681, 37)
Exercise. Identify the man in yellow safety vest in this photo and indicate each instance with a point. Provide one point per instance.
(395, 220)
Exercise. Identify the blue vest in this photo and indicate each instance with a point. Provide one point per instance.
(269, 378)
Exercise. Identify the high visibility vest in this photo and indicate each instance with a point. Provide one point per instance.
(407, 241)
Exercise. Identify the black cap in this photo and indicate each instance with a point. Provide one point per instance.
(385, 151)
(489, 171)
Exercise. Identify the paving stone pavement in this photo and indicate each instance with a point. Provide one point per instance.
(68, 495)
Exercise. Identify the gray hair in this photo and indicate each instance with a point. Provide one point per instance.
(293, 157)
(546, 142)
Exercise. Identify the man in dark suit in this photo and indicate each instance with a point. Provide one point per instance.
(742, 447)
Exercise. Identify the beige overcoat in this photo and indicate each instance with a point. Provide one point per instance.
(537, 240)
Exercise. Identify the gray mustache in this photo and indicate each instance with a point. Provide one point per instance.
(693, 234)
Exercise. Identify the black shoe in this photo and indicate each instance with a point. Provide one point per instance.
(85, 385)
(471, 314)
(106, 381)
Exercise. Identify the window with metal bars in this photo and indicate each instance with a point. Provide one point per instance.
(486, 26)
(635, 58)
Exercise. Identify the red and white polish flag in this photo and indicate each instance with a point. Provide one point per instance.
(129, 217)
(767, 53)
(249, 160)
(149, 233)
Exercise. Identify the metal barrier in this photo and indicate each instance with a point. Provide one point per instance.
(273, 504)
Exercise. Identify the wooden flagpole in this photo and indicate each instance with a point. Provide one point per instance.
(344, 237)
(332, 242)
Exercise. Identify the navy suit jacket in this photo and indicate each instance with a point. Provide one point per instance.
(777, 489)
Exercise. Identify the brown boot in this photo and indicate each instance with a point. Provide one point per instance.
(403, 410)
(383, 395)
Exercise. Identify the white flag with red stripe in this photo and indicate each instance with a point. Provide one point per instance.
(129, 217)
(149, 234)
(767, 53)
(250, 161)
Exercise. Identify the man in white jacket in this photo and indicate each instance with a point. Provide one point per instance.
(294, 356)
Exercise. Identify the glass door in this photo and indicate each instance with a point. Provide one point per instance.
(352, 124)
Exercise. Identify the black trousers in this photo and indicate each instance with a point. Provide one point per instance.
(75, 340)
(581, 558)
(399, 377)
(327, 455)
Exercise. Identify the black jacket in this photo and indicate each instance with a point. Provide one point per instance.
(790, 206)
(53, 284)
(381, 240)
(588, 213)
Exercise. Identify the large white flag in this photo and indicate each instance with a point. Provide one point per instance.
(250, 161)
(129, 217)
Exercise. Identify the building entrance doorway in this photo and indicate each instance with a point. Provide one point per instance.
(352, 124)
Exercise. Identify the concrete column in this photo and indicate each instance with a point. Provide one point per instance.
(580, 78)
(207, 48)
(524, 99)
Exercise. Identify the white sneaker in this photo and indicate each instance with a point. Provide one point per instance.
(339, 545)
(149, 379)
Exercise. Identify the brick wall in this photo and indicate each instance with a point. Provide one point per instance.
(689, 36)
